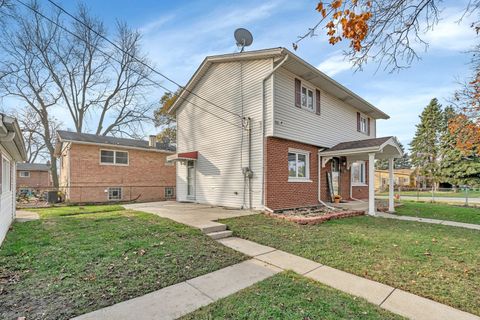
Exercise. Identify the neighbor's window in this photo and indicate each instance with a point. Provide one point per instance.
(113, 157)
(115, 193)
(6, 187)
(25, 174)
(298, 166)
(363, 124)
(307, 98)
(358, 173)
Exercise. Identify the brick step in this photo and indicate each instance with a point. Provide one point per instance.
(220, 234)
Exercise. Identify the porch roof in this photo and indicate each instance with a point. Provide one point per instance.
(384, 147)
(183, 156)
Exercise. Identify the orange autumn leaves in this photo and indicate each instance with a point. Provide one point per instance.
(348, 20)
(467, 135)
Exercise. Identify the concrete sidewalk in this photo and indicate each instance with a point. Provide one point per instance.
(25, 216)
(182, 298)
(387, 297)
(426, 220)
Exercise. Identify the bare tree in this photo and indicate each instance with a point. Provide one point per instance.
(50, 64)
(389, 32)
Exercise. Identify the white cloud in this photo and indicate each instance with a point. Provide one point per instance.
(335, 64)
(453, 32)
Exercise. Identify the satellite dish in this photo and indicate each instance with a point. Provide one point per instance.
(243, 37)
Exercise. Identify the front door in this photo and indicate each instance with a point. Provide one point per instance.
(191, 179)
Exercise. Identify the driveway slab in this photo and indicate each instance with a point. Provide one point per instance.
(227, 281)
(288, 261)
(193, 214)
(249, 248)
(372, 291)
(169, 303)
(419, 308)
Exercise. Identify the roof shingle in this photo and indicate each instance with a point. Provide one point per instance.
(357, 144)
(96, 139)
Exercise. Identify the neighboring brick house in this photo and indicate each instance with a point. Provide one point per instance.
(101, 168)
(265, 129)
(403, 178)
(33, 177)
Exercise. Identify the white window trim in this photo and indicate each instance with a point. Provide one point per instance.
(313, 98)
(365, 131)
(307, 166)
(364, 176)
(108, 193)
(114, 158)
(22, 174)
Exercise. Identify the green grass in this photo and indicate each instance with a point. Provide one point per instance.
(68, 263)
(428, 194)
(439, 211)
(290, 296)
(434, 261)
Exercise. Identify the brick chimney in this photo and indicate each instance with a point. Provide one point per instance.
(152, 141)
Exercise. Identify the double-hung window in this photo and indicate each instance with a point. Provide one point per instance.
(358, 173)
(298, 165)
(113, 157)
(307, 99)
(25, 174)
(363, 124)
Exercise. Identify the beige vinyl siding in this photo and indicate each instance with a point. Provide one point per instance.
(219, 179)
(337, 122)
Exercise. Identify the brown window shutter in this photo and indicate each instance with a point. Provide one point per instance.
(358, 121)
(317, 101)
(298, 95)
(368, 126)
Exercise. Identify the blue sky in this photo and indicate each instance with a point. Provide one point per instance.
(177, 35)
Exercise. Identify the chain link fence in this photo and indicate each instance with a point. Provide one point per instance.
(464, 195)
(96, 194)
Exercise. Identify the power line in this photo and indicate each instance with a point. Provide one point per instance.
(117, 60)
(138, 60)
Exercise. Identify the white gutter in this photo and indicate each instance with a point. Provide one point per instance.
(263, 123)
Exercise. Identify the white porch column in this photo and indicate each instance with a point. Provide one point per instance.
(371, 184)
(391, 205)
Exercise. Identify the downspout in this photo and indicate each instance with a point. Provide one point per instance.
(263, 123)
(319, 183)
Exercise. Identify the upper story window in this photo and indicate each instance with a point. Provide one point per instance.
(307, 98)
(298, 165)
(358, 173)
(25, 174)
(113, 157)
(363, 124)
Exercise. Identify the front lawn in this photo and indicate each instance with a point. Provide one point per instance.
(76, 260)
(290, 296)
(434, 261)
(439, 211)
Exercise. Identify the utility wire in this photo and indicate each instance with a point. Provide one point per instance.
(119, 61)
(138, 60)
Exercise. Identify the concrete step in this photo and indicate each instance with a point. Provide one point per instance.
(220, 234)
(213, 227)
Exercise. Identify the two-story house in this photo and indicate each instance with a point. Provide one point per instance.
(97, 168)
(265, 129)
(33, 177)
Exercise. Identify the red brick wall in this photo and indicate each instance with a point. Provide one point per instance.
(144, 179)
(37, 179)
(279, 192)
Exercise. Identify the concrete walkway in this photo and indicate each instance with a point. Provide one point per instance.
(25, 216)
(200, 216)
(426, 220)
(182, 298)
(384, 296)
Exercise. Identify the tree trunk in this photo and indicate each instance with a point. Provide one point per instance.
(53, 168)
